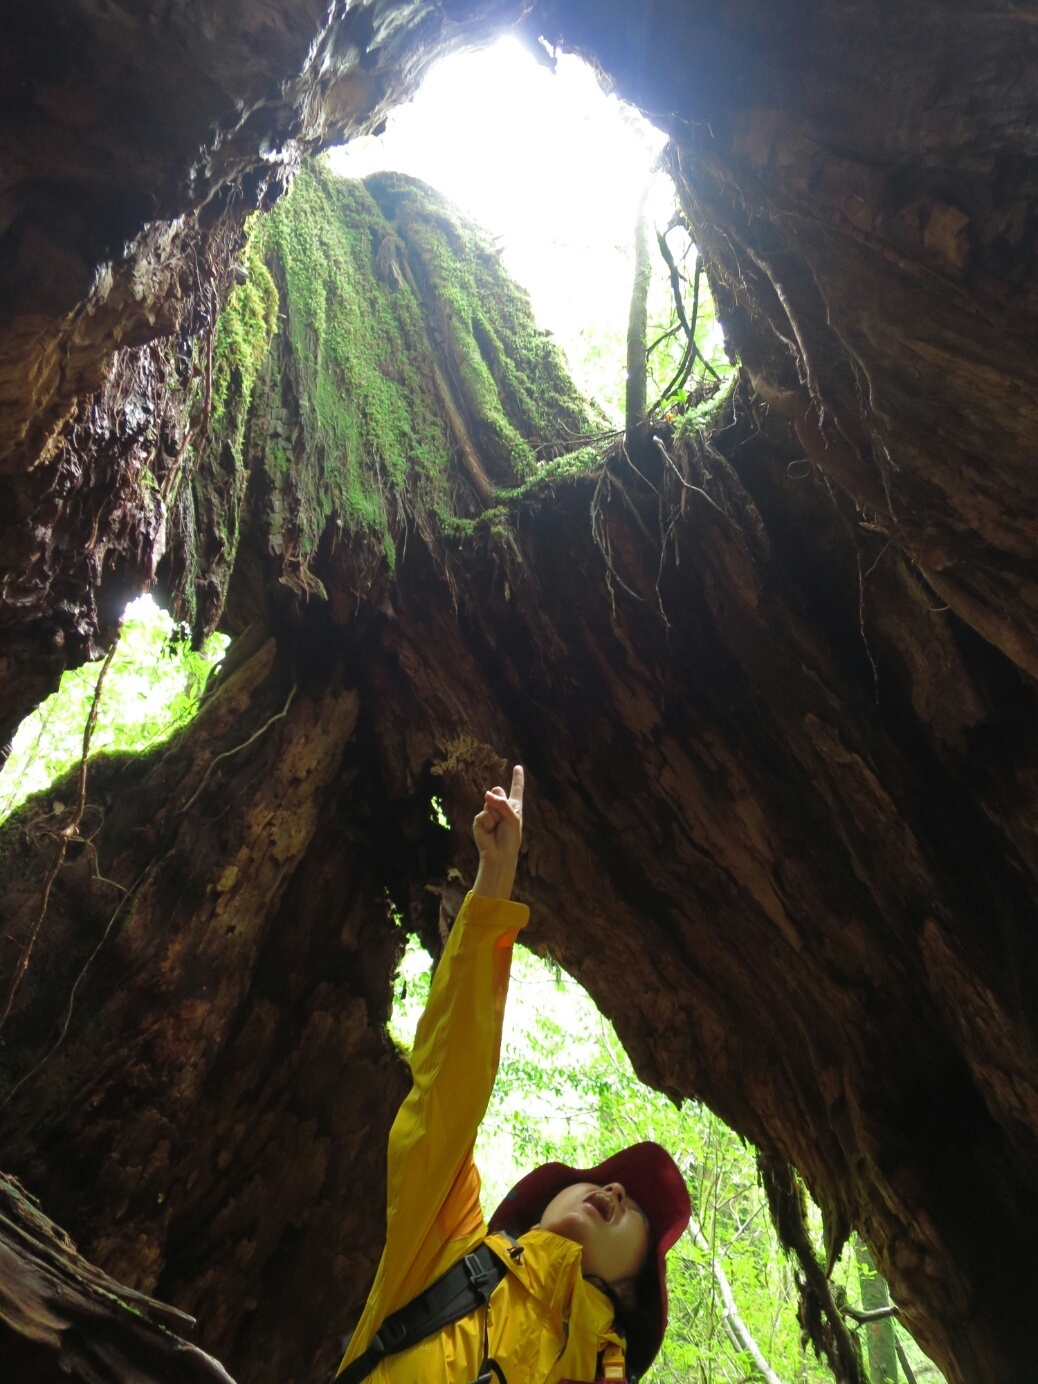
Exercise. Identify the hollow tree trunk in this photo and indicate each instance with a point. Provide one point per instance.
(786, 837)
(139, 139)
(729, 847)
(228, 950)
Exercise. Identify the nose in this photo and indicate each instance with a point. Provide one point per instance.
(618, 1191)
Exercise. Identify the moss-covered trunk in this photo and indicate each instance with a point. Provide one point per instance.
(762, 812)
(786, 797)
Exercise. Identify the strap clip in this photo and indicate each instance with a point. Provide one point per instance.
(613, 1369)
(388, 1337)
(477, 1271)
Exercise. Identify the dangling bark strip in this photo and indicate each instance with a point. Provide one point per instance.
(818, 1312)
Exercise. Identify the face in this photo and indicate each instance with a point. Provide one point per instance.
(611, 1227)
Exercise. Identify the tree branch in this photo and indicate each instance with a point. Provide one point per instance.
(637, 414)
(691, 351)
(741, 1336)
(675, 284)
(875, 1314)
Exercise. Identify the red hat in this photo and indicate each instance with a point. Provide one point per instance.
(649, 1175)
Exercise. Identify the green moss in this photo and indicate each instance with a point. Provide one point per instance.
(207, 510)
(576, 463)
(496, 525)
(705, 416)
(243, 333)
(494, 528)
(360, 360)
(399, 327)
(513, 377)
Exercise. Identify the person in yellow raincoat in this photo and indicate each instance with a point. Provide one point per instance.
(583, 1292)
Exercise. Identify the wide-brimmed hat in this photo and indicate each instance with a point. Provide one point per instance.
(648, 1174)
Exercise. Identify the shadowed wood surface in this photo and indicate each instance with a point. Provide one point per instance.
(60, 1316)
(781, 746)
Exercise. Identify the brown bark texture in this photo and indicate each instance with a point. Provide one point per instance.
(239, 1066)
(862, 180)
(137, 138)
(60, 1316)
(774, 692)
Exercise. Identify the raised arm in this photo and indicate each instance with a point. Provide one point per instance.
(498, 830)
(433, 1211)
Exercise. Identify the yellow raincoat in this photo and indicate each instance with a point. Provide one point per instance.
(543, 1323)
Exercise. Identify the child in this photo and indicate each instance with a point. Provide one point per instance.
(572, 1262)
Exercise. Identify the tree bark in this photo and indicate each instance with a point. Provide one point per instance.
(880, 1336)
(786, 833)
(637, 404)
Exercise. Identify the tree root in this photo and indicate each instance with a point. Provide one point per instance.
(127, 895)
(278, 716)
(67, 834)
(819, 1315)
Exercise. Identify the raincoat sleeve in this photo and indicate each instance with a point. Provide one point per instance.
(433, 1213)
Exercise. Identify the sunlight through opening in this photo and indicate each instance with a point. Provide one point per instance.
(153, 688)
(554, 168)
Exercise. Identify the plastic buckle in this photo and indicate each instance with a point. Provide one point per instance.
(389, 1335)
(613, 1369)
(478, 1273)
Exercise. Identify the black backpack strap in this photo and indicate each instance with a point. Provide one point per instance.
(461, 1290)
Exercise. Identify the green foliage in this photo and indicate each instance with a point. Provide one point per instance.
(152, 690)
(566, 1090)
(693, 417)
(663, 318)
(599, 354)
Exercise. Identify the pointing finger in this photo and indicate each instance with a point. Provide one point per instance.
(518, 783)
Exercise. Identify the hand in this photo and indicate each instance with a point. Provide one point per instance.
(497, 830)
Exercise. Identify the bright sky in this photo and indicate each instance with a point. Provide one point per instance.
(551, 165)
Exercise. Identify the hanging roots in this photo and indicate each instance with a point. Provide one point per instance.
(68, 833)
(819, 1313)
